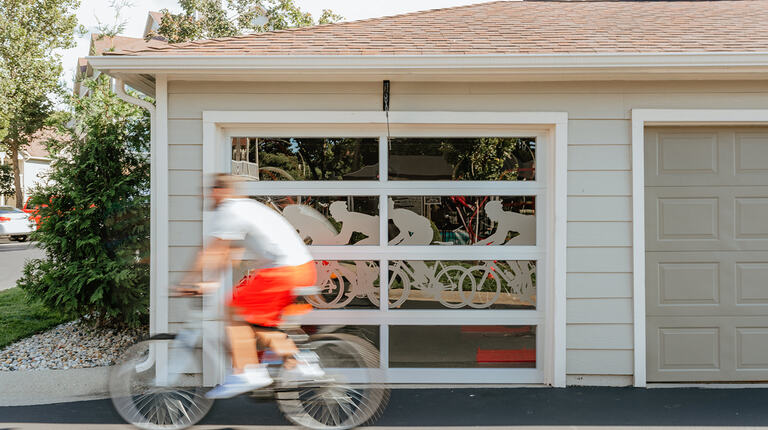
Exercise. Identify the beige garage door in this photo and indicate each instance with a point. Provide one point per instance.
(707, 254)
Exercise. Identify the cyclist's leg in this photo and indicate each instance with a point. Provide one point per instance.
(242, 343)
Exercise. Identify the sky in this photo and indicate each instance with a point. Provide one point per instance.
(92, 12)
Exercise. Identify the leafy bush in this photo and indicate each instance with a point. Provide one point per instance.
(95, 215)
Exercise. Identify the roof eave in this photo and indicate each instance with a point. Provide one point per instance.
(589, 66)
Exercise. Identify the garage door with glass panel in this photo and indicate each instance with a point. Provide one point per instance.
(707, 254)
(429, 246)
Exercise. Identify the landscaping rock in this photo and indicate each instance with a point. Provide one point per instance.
(71, 345)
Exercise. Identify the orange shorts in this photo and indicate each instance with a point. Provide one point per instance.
(261, 297)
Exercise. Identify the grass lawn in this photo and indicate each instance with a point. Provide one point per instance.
(20, 318)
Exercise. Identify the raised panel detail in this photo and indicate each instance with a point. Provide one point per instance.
(689, 348)
(687, 153)
(751, 150)
(751, 218)
(752, 348)
(687, 218)
(752, 283)
(689, 283)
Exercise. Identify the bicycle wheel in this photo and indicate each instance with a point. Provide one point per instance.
(455, 289)
(398, 278)
(337, 401)
(332, 288)
(487, 286)
(141, 400)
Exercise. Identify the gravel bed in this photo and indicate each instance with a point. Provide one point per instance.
(68, 346)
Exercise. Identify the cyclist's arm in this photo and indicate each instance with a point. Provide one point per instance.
(215, 256)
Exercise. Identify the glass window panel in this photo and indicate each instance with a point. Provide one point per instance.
(462, 220)
(330, 220)
(343, 284)
(465, 284)
(305, 159)
(368, 333)
(459, 346)
(463, 159)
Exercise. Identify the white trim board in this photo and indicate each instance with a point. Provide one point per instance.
(552, 124)
(649, 117)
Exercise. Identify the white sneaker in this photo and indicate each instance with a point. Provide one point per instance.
(307, 368)
(253, 377)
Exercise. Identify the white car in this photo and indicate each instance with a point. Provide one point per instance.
(15, 223)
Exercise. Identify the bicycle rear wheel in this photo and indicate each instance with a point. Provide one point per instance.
(346, 397)
(175, 400)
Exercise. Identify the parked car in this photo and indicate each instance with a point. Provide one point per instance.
(15, 223)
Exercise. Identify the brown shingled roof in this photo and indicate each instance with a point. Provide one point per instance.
(119, 44)
(517, 27)
(37, 143)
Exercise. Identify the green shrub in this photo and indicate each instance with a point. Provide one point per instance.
(95, 224)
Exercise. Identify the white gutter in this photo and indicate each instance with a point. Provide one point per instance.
(157, 63)
(156, 319)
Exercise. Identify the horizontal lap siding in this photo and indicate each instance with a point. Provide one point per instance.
(599, 278)
(599, 257)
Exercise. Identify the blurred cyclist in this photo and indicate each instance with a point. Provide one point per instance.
(242, 225)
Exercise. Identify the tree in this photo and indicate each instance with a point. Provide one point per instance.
(204, 19)
(30, 32)
(94, 224)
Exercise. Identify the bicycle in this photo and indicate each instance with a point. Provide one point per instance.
(152, 396)
(440, 283)
(339, 284)
(519, 279)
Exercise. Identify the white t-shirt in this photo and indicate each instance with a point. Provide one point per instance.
(262, 231)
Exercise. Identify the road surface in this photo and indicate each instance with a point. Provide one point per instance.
(12, 258)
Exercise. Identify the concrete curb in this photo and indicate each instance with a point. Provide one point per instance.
(37, 387)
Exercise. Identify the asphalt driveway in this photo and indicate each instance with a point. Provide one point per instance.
(576, 407)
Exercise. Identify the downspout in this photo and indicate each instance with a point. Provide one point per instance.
(154, 317)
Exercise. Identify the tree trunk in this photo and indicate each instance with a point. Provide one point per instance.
(17, 175)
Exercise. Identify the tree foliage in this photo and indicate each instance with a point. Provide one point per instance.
(205, 19)
(6, 180)
(30, 33)
(94, 213)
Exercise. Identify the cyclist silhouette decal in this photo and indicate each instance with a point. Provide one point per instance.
(509, 222)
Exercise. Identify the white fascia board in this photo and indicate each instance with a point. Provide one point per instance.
(599, 63)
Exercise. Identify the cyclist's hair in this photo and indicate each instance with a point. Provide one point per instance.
(223, 180)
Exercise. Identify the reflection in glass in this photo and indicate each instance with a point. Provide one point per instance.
(469, 159)
(305, 159)
(368, 333)
(343, 284)
(464, 346)
(462, 220)
(417, 284)
(336, 220)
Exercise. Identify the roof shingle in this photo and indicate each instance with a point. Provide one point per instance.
(516, 27)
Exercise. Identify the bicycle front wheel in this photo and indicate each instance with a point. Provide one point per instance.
(159, 399)
(346, 397)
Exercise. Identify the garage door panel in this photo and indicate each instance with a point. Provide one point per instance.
(706, 156)
(702, 348)
(706, 218)
(713, 283)
(751, 153)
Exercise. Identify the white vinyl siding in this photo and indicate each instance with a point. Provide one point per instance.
(599, 280)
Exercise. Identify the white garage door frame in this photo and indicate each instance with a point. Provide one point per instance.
(216, 124)
(642, 118)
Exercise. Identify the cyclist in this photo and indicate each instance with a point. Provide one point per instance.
(242, 225)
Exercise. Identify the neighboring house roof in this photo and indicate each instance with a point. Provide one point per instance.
(37, 145)
(152, 24)
(512, 27)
